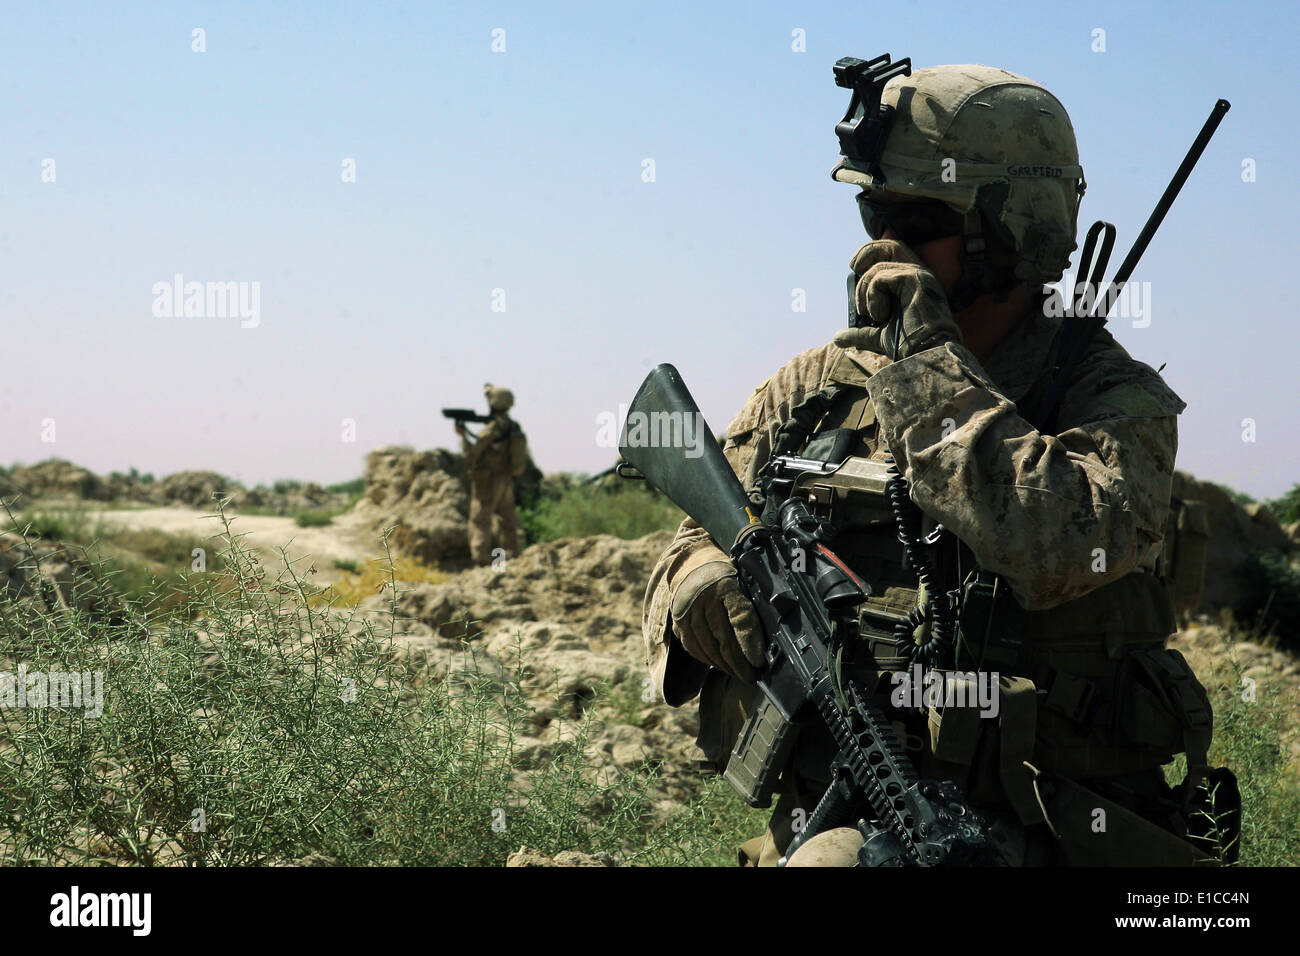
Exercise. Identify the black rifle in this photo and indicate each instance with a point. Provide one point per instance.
(463, 415)
(798, 586)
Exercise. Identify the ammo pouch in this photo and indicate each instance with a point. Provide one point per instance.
(1109, 699)
(1093, 830)
(1086, 689)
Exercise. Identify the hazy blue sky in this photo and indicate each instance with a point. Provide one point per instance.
(522, 171)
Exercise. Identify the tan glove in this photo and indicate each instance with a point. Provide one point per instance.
(716, 623)
(905, 304)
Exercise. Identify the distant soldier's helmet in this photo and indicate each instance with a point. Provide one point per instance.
(996, 148)
(499, 399)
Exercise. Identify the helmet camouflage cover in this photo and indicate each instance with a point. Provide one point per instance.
(986, 141)
(499, 399)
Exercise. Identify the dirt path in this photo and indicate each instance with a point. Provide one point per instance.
(345, 539)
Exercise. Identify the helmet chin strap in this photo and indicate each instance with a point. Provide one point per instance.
(978, 276)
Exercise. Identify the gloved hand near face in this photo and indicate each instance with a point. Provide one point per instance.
(905, 304)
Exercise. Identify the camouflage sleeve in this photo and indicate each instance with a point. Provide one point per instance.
(1056, 516)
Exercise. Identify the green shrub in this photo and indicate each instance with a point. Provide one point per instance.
(1287, 507)
(355, 487)
(582, 510)
(59, 525)
(1253, 734)
(313, 519)
(1272, 598)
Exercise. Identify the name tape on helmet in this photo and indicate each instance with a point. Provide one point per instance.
(987, 170)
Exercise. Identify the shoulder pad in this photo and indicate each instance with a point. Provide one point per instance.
(747, 419)
(1112, 384)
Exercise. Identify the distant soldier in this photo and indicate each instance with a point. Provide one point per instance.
(496, 457)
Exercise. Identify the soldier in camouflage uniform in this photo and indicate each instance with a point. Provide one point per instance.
(1067, 527)
(493, 520)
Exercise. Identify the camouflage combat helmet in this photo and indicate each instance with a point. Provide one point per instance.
(499, 399)
(996, 148)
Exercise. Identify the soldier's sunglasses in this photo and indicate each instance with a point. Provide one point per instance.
(912, 223)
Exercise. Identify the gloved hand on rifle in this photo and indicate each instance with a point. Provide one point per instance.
(716, 623)
(903, 301)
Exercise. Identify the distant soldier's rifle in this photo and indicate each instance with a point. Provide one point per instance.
(462, 415)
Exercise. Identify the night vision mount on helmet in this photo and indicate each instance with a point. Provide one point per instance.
(998, 150)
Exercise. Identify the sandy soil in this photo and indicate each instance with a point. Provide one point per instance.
(346, 538)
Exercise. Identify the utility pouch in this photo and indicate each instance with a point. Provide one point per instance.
(833, 445)
(1017, 724)
(1096, 831)
(1161, 705)
(761, 753)
(955, 733)
(995, 629)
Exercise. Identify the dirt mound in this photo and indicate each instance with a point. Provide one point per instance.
(293, 498)
(55, 478)
(196, 489)
(59, 479)
(593, 585)
(533, 858)
(1235, 534)
(570, 611)
(424, 495)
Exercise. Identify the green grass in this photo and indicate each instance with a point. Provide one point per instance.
(579, 511)
(255, 727)
(313, 519)
(70, 525)
(1253, 738)
(149, 566)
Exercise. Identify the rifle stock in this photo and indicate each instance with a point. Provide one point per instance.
(688, 466)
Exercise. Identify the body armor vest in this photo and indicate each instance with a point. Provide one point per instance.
(1091, 677)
